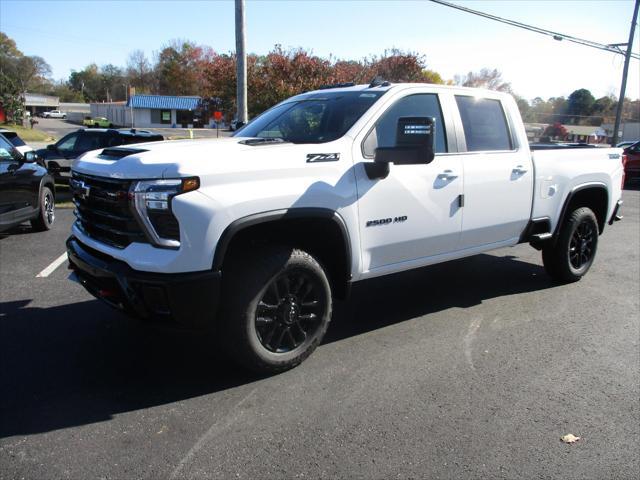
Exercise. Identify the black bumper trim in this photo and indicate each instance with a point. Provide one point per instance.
(616, 217)
(188, 299)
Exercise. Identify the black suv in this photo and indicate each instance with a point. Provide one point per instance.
(60, 155)
(26, 189)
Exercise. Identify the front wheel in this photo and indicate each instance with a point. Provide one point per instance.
(278, 308)
(47, 213)
(573, 254)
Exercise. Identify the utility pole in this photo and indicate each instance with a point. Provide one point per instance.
(625, 71)
(241, 64)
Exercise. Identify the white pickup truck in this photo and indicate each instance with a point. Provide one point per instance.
(258, 233)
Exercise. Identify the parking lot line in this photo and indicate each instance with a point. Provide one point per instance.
(55, 264)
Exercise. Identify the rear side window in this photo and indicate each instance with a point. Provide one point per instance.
(7, 152)
(485, 125)
(420, 105)
(14, 139)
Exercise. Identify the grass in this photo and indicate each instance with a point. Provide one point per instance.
(27, 134)
(63, 196)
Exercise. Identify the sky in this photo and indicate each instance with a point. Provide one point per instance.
(72, 34)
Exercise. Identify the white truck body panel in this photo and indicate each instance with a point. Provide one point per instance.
(502, 191)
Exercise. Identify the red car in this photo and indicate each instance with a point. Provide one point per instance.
(632, 165)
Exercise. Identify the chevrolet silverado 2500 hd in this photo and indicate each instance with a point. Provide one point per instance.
(261, 231)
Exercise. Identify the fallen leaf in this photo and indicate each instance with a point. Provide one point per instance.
(569, 438)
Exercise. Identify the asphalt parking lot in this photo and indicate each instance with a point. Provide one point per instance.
(471, 369)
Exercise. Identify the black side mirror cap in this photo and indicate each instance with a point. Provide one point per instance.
(415, 145)
(52, 147)
(30, 157)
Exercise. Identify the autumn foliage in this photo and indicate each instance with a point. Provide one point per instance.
(187, 69)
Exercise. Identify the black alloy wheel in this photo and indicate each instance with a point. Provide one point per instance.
(47, 212)
(289, 312)
(277, 307)
(570, 257)
(581, 245)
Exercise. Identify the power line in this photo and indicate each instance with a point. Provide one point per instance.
(613, 48)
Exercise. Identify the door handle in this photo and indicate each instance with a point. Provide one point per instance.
(447, 175)
(520, 170)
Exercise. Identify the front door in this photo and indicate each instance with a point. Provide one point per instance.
(414, 212)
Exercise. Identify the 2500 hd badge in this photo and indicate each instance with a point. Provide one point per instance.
(386, 221)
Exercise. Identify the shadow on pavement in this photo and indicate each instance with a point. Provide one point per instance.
(82, 363)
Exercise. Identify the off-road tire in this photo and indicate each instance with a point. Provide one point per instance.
(570, 258)
(46, 214)
(248, 288)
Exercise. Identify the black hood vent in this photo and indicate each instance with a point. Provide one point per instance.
(118, 153)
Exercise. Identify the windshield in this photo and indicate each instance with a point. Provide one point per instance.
(315, 118)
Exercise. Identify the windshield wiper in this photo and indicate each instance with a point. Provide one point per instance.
(262, 141)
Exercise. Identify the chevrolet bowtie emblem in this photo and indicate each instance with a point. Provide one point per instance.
(80, 188)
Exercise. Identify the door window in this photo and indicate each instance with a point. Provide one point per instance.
(68, 143)
(88, 141)
(420, 105)
(484, 123)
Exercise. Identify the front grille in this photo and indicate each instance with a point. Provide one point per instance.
(103, 212)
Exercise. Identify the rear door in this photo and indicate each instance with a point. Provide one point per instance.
(498, 174)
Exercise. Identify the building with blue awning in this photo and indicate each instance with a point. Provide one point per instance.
(153, 111)
(164, 110)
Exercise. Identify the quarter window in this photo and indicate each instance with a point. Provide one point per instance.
(420, 105)
(484, 123)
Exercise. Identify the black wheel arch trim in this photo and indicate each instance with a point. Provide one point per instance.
(279, 215)
(47, 181)
(567, 202)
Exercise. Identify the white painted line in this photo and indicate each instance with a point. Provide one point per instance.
(55, 264)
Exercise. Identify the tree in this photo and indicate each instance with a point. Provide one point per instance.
(8, 46)
(18, 74)
(485, 78)
(140, 72)
(556, 131)
(179, 68)
(580, 104)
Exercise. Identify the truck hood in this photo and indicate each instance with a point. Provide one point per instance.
(183, 158)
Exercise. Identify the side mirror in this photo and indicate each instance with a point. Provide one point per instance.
(30, 157)
(52, 148)
(415, 145)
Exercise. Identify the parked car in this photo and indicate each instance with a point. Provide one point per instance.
(54, 114)
(27, 190)
(632, 164)
(60, 155)
(235, 124)
(97, 122)
(626, 143)
(263, 230)
(15, 140)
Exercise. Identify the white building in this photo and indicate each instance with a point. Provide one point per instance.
(151, 111)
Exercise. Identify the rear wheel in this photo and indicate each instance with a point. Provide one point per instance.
(278, 308)
(47, 213)
(572, 255)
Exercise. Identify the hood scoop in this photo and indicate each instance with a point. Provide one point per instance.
(261, 141)
(118, 153)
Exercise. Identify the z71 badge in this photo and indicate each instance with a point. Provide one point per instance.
(322, 157)
(386, 221)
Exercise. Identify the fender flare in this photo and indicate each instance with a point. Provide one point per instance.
(572, 193)
(279, 215)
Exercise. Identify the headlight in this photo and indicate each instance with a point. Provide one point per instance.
(152, 208)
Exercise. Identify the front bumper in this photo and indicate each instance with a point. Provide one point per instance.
(187, 299)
